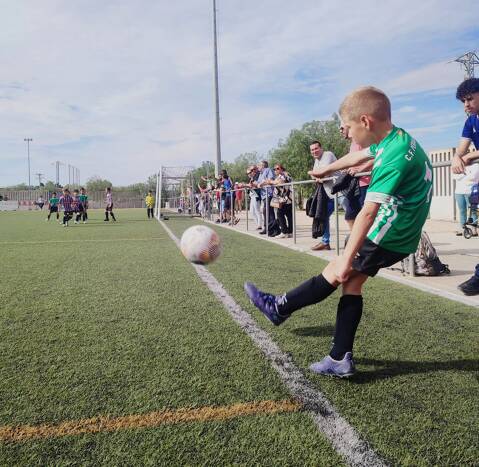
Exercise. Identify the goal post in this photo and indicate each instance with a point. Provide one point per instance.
(176, 193)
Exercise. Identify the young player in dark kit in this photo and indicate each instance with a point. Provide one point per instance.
(468, 94)
(53, 206)
(77, 206)
(83, 197)
(109, 205)
(386, 230)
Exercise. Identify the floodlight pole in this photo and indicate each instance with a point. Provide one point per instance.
(28, 155)
(159, 181)
(217, 101)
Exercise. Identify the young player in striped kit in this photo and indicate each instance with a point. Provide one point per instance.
(66, 201)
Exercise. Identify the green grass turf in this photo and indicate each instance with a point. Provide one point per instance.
(415, 397)
(126, 327)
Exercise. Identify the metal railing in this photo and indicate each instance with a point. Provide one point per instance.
(264, 209)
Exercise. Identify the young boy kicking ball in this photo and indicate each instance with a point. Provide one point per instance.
(386, 230)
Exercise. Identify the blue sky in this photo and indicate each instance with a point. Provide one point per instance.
(118, 88)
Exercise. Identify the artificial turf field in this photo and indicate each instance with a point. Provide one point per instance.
(107, 321)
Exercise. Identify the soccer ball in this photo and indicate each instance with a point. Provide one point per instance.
(200, 244)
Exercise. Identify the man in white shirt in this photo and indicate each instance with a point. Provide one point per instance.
(323, 158)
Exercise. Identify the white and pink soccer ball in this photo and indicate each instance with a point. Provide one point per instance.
(200, 244)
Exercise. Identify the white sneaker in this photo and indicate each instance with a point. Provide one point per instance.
(281, 235)
(84, 222)
(76, 222)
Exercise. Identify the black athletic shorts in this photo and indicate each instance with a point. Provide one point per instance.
(109, 208)
(371, 258)
(53, 208)
(351, 206)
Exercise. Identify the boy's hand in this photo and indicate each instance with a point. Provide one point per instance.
(458, 165)
(343, 268)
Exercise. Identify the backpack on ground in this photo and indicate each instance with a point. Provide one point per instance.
(426, 260)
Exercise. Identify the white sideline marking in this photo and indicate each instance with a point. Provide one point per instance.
(337, 430)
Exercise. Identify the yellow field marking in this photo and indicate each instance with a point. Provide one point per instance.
(148, 420)
(111, 240)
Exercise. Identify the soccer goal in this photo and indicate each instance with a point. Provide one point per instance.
(176, 192)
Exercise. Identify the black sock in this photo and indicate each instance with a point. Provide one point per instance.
(112, 216)
(312, 291)
(350, 310)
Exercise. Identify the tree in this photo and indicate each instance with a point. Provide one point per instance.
(50, 186)
(95, 183)
(19, 187)
(293, 153)
(237, 169)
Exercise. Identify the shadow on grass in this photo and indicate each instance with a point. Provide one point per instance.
(385, 369)
(315, 331)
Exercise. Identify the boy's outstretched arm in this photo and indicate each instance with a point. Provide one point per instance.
(349, 160)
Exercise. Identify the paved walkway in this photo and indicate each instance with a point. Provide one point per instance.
(460, 254)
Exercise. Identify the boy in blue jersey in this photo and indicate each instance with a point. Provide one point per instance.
(468, 94)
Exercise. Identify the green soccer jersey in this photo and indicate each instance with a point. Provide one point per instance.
(53, 201)
(401, 181)
(83, 199)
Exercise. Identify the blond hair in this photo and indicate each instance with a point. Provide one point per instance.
(367, 100)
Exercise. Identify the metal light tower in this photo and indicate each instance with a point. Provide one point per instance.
(217, 101)
(40, 176)
(28, 154)
(468, 61)
(57, 172)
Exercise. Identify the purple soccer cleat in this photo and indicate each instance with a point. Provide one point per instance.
(265, 302)
(340, 368)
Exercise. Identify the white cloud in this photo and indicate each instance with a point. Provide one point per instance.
(118, 88)
(406, 109)
(432, 77)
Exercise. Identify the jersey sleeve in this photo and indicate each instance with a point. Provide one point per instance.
(468, 129)
(384, 184)
(371, 150)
